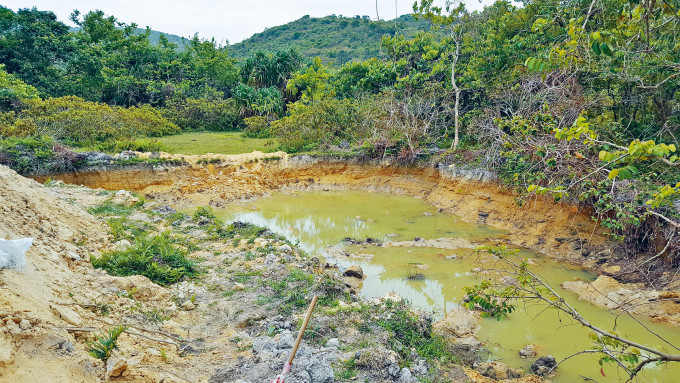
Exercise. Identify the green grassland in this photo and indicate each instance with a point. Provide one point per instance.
(216, 142)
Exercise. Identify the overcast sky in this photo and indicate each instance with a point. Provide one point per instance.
(222, 19)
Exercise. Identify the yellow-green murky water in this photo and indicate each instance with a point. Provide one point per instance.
(318, 220)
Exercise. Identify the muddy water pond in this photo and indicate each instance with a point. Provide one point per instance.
(319, 221)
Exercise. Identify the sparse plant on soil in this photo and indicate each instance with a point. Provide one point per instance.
(103, 344)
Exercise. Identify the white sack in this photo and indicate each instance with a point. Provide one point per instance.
(13, 252)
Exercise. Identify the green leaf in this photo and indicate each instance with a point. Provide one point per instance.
(604, 47)
(613, 173)
(596, 47)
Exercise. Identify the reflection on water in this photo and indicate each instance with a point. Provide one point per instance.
(318, 220)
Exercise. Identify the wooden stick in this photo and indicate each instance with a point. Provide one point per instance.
(305, 322)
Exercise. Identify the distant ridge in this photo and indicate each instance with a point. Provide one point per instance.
(333, 38)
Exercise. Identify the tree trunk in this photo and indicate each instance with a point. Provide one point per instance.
(456, 139)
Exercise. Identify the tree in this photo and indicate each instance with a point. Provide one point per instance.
(451, 19)
(495, 299)
(311, 82)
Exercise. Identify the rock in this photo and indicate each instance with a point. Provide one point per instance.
(25, 324)
(171, 309)
(67, 315)
(420, 368)
(286, 249)
(115, 367)
(451, 257)
(392, 296)
(497, 370)
(458, 323)
(122, 244)
(320, 371)
(543, 365)
(286, 339)
(528, 351)
(188, 305)
(406, 377)
(354, 272)
(612, 269)
(333, 342)
(238, 287)
(264, 344)
(165, 210)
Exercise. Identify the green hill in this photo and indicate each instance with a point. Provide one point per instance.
(337, 39)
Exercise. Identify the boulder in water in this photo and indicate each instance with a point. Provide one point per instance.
(544, 365)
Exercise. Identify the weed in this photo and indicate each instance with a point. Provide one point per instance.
(157, 258)
(110, 208)
(412, 332)
(102, 345)
(204, 212)
(244, 276)
(347, 370)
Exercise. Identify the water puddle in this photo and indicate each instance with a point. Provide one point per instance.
(319, 220)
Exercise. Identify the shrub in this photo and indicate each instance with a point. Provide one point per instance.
(326, 122)
(257, 127)
(75, 121)
(156, 258)
(203, 114)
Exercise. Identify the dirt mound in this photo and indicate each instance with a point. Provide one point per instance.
(63, 236)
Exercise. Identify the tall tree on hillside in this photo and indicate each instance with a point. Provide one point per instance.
(450, 18)
(35, 46)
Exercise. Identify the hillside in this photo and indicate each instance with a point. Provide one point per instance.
(337, 39)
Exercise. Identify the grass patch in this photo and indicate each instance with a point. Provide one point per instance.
(412, 332)
(157, 258)
(215, 142)
(110, 208)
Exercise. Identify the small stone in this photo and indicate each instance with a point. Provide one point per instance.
(333, 342)
(25, 324)
(354, 272)
(115, 366)
(392, 296)
(612, 269)
(123, 244)
(171, 309)
(286, 249)
(528, 351)
(238, 287)
(73, 256)
(406, 377)
(188, 305)
(451, 257)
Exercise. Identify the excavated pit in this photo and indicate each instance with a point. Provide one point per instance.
(560, 231)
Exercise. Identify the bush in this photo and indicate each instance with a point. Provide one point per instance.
(75, 121)
(327, 122)
(257, 127)
(138, 145)
(204, 114)
(156, 258)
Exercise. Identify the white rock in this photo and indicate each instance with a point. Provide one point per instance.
(115, 366)
(188, 305)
